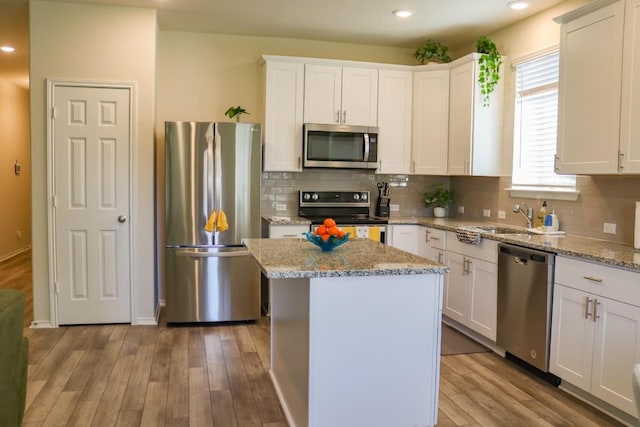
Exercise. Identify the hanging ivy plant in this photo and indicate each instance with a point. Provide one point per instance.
(489, 63)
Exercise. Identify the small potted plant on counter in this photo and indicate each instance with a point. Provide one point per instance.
(439, 198)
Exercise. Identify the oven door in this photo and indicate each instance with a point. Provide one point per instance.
(340, 146)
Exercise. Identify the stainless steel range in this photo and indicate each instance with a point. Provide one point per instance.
(350, 210)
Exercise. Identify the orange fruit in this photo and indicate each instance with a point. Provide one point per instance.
(321, 230)
(325, 237)
(340, 234)
(329, 222)
(333, 231)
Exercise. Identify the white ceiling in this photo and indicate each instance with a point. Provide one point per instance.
(453, 22)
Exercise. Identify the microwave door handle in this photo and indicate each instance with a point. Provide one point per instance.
(366, 147)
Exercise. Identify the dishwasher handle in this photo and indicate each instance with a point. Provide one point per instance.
(524, 255)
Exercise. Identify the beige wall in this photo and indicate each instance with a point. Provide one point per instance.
(15, 215)
(106, 44)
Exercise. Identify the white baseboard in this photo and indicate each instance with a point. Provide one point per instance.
(40, 324)
(14, 253)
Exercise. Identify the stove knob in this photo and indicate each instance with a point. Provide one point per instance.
(356, 196)
(364, 196)
(306, 196)
(314, 196)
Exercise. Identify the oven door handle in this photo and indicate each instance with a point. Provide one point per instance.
(366, 147)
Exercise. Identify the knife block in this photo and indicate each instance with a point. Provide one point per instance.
(382, 206)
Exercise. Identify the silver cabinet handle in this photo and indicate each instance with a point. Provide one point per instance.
(344, 116)
(594, 314)
(299, 162)
(437, 239)
(338, 116)
(440, 257)
(592, 279)
(587, 302)
(122, 219)
(426, 236)
(195, 254)
(413, 167)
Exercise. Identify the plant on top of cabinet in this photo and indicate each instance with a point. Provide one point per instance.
(489, 63)
(438, 197)
(431, 51)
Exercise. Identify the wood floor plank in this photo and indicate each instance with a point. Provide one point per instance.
(197, 355)
(62, 409)
(216, 365)
(199, 398)
(155, 405)
(245, 407)
(83, 413)
(224, 414)
(97, 382)
(161, 357)
(456, 414)
(178, 395)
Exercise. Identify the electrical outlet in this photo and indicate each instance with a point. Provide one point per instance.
(609, 227)
(281, 206)
(486, 212)
(394, 207)
(460, 209)
(502, 215)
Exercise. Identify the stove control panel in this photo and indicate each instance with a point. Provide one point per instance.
(334, 198)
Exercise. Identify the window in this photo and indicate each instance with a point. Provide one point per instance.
(535, 126)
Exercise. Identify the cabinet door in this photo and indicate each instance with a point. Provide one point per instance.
(589, 92)
(456, 290)
(394, 120)
(322, 94)
(284, 84)
(483, 307)
(405, 237)
(572, 337)
(461, 98)
(630, 125)
(616, 351)
(430, 122)
(360, 96)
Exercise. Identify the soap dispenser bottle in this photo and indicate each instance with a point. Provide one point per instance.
(542, 213)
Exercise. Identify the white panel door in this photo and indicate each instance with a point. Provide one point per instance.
(630, 125)
(322, 94)
(91, 139)
(461, 91)
(456, 291)
(360, 96)
(483, 309)
(394, 120)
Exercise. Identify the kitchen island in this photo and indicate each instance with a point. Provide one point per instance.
(355, 333)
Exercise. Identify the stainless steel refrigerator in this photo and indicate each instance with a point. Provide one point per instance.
(211, 167)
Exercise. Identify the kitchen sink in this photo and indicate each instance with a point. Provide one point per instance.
(502, 230)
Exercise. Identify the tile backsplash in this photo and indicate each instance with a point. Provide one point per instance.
(602, 198)
(283, 188)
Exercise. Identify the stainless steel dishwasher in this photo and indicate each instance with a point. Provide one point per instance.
(525, 280)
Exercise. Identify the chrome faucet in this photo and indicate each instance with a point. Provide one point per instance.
(528, 214)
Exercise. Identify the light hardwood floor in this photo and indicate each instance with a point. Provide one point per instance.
(122, 375)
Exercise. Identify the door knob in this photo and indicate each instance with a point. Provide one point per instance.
(122, 218)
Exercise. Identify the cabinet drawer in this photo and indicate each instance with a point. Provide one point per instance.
(287, 231)
(487, 250)
(437, 238)
(599, 279)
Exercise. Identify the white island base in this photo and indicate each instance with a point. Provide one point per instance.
(357, 351)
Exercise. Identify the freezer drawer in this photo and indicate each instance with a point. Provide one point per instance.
(211, 285)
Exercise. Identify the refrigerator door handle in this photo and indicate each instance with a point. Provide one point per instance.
(196, 254)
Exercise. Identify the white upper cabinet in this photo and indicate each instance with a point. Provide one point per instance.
(598, 127)
(284, 85)
(475, 130)
(590, 90)
(394, 119)
(430, 122)
(341, 95)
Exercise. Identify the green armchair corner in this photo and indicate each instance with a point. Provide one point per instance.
(14, 354)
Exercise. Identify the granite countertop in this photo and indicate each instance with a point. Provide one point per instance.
(286, 220)
(298, 258)
(612, 253)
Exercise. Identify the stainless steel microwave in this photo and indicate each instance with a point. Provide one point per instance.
(340, 146)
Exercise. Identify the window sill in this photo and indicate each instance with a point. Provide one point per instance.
(543, 193)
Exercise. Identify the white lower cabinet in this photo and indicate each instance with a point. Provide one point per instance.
(404, 237)
(432, 244)
(595, 338)
(471, 288)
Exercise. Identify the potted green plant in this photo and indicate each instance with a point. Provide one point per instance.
(489, 63)
(439, 198)
(235, 112)
(431, 51)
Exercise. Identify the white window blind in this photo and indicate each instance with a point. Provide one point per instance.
(535, 127)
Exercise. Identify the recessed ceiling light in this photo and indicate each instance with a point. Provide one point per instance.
(403, 13)
(7, 49)
(518, 5)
